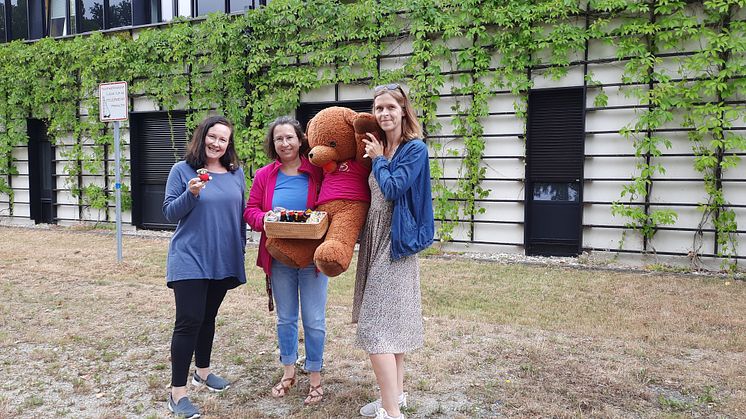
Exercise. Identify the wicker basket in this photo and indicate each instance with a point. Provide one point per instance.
(292, 230)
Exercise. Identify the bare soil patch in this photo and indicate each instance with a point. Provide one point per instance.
(83, 336)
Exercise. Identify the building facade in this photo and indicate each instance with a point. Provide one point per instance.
(594, 128)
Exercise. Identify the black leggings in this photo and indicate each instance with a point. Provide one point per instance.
(197, 304)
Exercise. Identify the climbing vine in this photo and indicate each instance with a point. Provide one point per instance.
(258, 65)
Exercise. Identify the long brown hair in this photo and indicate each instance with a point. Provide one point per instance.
(269, 140)
(195, 152)
(410, 126)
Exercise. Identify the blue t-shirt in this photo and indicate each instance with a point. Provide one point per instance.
(291, 192)
(210, 237)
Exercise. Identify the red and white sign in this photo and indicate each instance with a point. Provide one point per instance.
(113, 101)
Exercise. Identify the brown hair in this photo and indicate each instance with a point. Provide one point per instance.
(411, 127)
(195, 151)
(269, 140)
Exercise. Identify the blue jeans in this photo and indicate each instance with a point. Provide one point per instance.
(287, 284)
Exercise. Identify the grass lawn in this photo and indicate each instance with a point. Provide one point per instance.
(83, 336)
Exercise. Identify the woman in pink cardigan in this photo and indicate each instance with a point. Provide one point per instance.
(291, 182)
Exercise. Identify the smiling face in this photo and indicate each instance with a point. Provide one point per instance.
(216, 141)
(287, 143)
(388, 114)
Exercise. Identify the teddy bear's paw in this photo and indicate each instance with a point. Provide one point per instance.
(330, 268)
(332, 258)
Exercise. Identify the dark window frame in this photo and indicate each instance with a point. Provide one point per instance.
(8, 20)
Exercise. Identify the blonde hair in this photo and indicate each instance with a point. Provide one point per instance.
(410, 126)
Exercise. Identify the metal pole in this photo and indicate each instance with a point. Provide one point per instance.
(118, 189)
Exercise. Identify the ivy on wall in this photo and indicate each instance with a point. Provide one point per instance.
(256, 66)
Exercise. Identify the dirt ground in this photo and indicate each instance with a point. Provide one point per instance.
(82, 336)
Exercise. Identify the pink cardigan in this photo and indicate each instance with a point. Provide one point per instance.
(260, 201)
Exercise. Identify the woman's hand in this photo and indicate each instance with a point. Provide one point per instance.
(196, 185)
(373, 147)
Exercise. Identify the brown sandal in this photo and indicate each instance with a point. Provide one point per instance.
(283, 387)
(315, 395)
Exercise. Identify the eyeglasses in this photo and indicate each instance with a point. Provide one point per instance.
(287, 140)
(387, 87)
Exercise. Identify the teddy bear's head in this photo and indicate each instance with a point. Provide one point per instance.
(336, 135)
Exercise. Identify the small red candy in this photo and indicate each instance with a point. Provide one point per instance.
(204, 177)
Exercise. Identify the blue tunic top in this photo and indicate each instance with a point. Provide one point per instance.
(210, 238)
(291, 192)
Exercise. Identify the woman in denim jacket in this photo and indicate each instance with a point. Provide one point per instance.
(387, 305)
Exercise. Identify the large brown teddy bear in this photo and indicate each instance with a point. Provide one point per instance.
(335, 135)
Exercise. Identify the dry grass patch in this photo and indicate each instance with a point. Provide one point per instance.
(88, 337)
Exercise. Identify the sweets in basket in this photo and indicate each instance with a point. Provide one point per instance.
(290, 224)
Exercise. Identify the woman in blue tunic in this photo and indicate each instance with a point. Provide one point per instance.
(206, 254)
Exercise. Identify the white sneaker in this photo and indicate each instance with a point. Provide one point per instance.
(382, 414)
(371, 409)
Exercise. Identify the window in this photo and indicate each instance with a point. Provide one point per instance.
(2, 22)
(119, 13)
(167, 10)
(209, 6)
(17, 27)
(94, 15)
(58, 21)
(91, 15)
(240, 5)
(557, 191)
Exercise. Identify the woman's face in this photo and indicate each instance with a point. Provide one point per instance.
(287, 143)
(388, 113)
(216, 141)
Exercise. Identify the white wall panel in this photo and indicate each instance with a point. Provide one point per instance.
(143, 104)
(610, 167)
(355, 92)
(20, 182)
(501, 103)
(22, 167)
(501, 211)
(607, 144)
(681, 241)
(21, 209)
(446, 105)
(598, 49)
(505, 233)
(606, 73)
(604, 191)
(397, 46)
(504, 146)
(609, 120)
(607, 238)
(615, 97)
(504, 189)
(573, 78)
(321, 94)
(19, 153)
(676, 167)
(504, 168)
(502, 124)
(21, 195)
(735, 192)
(688, 217)
(600, 215)
(681, 192)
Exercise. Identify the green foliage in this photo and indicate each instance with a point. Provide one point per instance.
(256, 66)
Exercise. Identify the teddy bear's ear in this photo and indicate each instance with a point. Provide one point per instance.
(365, 122)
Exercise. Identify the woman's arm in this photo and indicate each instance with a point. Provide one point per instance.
(178, 200)
(254, 213)
(409, 164)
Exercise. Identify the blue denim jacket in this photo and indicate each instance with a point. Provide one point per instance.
(406, 181)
